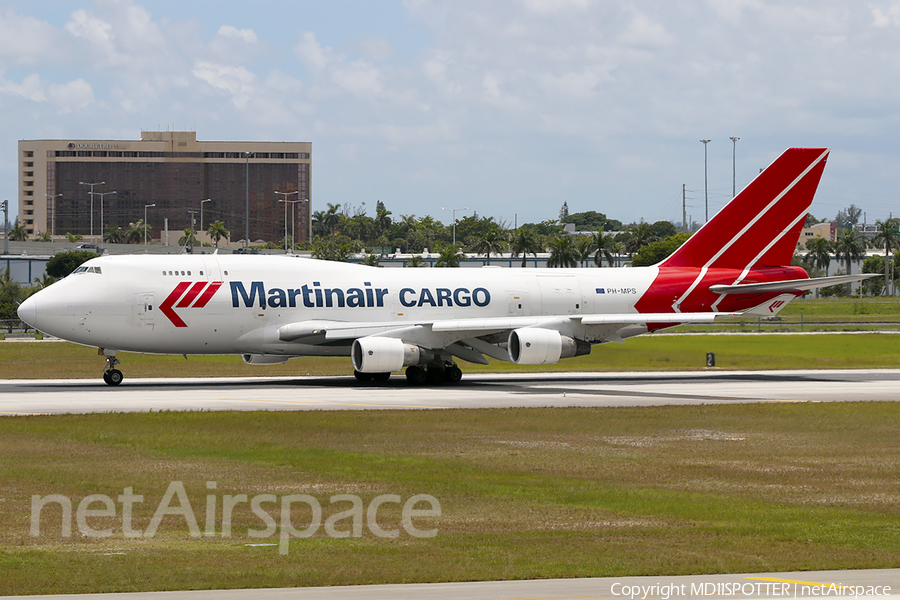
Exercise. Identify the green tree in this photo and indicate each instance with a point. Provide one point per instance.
(42, 236)
(17, 233)
(888, 238)
(415, 261)
(563, 252)
(525, 241)
(136, 232)
(73, 237)
(333, 249)
(850, 247)
(217, 231)
(656, 252)
(63, 263)
(605, 246)
(639, 236)
(449, 256)
(371, 259)
(114, 235)
(818, 254)
(488, 242)
(584, 246)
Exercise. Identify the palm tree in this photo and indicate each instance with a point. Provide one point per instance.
(888, 237)
(818, 254)
(563, 253)
(42, 236)
(584, 247)
(331, 218)
(72, 237)
(17, 233)
(641, 235)
(217, 231)
(415, 261)
(449, 256)
(114, 235)
(489, 242)
(606, 247)
(136, 231)
(525, 241)
(850, 247)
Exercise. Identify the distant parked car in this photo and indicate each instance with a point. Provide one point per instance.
(93, 247)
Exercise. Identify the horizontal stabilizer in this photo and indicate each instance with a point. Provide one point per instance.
(795, 285)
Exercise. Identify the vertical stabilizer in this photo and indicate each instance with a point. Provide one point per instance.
(761, 225)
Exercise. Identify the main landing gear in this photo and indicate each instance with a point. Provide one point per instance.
(434, 374)
(111, 375)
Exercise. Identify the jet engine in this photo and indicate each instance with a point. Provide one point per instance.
(536, 346)
(264, 359)
(383, 355)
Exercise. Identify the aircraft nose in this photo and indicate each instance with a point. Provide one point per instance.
(28, 311)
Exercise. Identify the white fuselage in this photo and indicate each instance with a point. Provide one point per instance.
(236, 304)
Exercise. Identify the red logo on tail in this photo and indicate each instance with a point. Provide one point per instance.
(776, 305)
(193, 291)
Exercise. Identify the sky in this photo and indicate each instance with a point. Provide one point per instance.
(507, 108)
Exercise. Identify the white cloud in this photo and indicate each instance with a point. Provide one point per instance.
(237, 81)
(246, 35)
(72, 96)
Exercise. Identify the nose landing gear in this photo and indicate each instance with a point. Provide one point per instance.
(111, 375)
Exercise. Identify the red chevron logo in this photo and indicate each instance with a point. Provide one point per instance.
(201, 288)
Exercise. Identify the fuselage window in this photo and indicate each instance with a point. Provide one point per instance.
(226, 272)
(189, 273)
(164, 273)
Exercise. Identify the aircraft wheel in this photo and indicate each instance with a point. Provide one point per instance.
(360, 376)
(435, 374)
(113, 377)
(416, 375)
(452, 374)
(381, 376)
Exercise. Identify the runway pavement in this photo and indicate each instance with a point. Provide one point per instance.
(882, 584)
(19, 397)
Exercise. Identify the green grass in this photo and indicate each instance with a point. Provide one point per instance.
(34, 360)
(525, 493)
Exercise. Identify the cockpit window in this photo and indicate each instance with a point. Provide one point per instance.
(83, 269)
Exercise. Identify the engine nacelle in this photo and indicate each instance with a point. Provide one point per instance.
(536, 346)
(264, 359)
(383, 355)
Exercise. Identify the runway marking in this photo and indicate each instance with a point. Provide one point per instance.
(799, 582)
(330, 403)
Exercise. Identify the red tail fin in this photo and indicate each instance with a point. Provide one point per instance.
(761, 225)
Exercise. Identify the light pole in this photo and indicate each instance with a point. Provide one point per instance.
(101, 194)
(146, 206)
(200, 231)
(286, 202)
(453, 212)
(705, 182)
(92, 203)
(52, 206)
(734, 141)
(5, 206)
